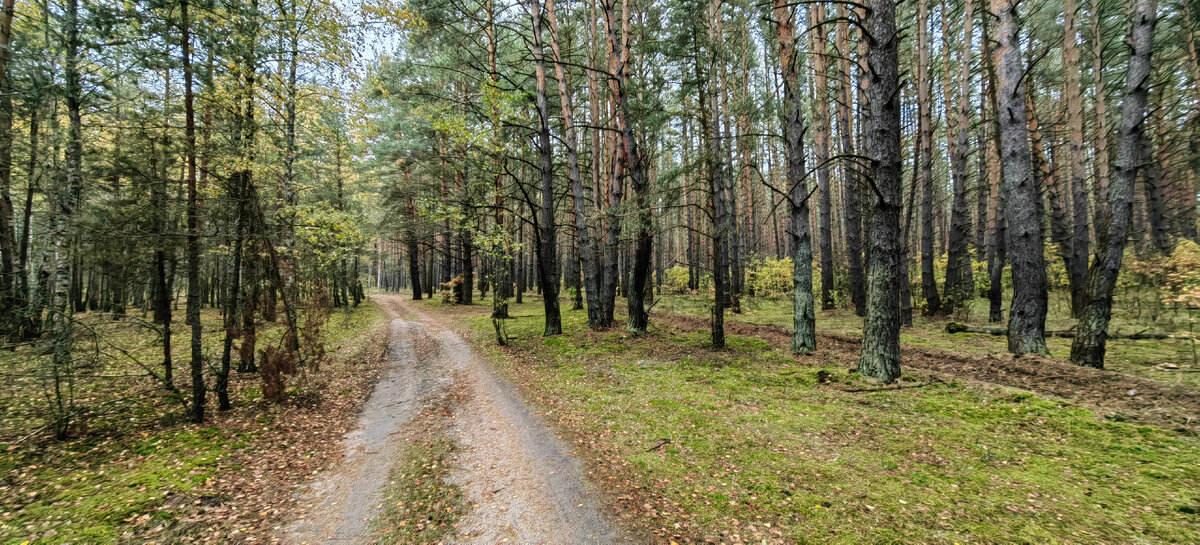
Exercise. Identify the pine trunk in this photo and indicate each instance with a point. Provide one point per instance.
(1088, 348)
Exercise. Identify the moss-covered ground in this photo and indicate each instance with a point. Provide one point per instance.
(132, 466)
(1168, 360)
(767, 447)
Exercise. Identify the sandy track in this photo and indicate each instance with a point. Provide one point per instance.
(521, 483)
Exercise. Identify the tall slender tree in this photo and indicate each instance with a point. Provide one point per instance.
(1027, 318)
(1089, 346)
(880, 358)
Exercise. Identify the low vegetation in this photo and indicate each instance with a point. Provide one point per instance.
(766, 446)
(139, 471)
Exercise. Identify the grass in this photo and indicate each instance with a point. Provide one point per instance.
(131, 458)
(762, 449)
(1142, 358)
(420, 506)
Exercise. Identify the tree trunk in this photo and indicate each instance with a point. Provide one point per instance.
(821, 155)
(8, 247)
(880, 357)
(1155, 177)
(850, 180)
(1060, 214)
(1100, 128)
(547, 234)
(1027, 315)
(1089, 347)
(586, 245)
(804, 336)
(1080, 235)
(933, 302)
(959, 285)
(193, 222)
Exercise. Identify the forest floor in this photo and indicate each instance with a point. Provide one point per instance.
(446, 450)
(134, 470)
(751, 444)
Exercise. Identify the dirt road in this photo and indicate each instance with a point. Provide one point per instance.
(522, 485)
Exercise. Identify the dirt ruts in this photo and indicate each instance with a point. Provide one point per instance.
(521, 483)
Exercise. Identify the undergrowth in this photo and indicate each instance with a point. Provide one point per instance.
(769, 447)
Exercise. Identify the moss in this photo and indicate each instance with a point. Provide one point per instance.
(758, 437)
(135, 451)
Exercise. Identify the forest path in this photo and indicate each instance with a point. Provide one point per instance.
(521, 484)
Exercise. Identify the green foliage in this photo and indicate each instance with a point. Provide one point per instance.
(771, 277)
(676, 280)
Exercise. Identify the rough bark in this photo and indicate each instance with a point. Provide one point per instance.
(1088, 349)
(716, 170)
(587, 245)
(1077, 162)
(850, 183)
(8, 246)
(996, 220)
(821, 154)
(880, 357)
(959, 285)
(1100, 128)
(547, 238)
(1060, 213)
(410, 236)
(1027, 314)
(804, 337)
(193, 222)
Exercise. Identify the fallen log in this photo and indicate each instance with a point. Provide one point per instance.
(955, 327)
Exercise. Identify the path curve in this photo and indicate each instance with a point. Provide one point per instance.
(522, 484)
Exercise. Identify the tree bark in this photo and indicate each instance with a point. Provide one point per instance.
(8, 246)
(804, 336)
(193, 221)
(959, 285)
(1088, 349)
(1101, 161)
(587, 246)
(1027, 315)
(821, 154)
(880, 357)
(1080, 234)
(547, 234)
(850, 178)
(929, 291)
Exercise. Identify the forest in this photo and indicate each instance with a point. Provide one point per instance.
(761, 268)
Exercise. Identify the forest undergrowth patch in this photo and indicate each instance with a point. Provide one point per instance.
(158, 479)
(751, 444)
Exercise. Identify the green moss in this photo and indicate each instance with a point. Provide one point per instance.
(97, 487)
(758, 438)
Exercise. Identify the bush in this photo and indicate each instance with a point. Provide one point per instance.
(770, 277)
(676, 280)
